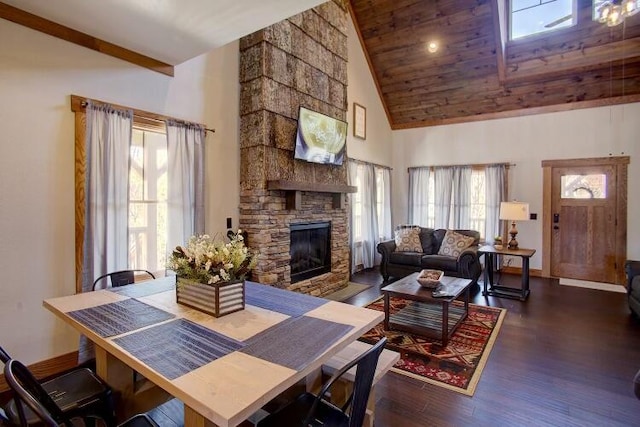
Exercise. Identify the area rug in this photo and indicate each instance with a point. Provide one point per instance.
(456, 367)
(346, 293)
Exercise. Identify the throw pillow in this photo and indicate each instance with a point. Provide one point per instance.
(408, 239)
(454, 243)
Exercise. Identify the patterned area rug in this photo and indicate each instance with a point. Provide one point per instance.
(459, 365)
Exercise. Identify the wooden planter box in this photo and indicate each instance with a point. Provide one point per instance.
(217, 299)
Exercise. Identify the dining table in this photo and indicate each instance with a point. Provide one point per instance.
(223, 369)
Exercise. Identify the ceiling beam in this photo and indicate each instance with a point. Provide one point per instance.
(592, 57)
(499, 13)
(522, 112)
(54, 29)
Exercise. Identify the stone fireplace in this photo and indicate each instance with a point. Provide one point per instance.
(301, 61)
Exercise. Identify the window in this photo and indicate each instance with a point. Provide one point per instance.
(133, 202)
(583, 186)
(528, 17)
(477, 205)
(370, 212)
(357, 210)
(147, 219)
(477, 209)
(382, 202)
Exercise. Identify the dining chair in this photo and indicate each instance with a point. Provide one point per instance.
(120, 278)
(314, 410)
(77, 393)
(29, 393)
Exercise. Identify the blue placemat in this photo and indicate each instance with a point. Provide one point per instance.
(282, 301)
(143, 289)
(119, 317)
(177, 348)
(295, 342)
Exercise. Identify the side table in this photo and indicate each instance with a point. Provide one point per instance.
(491, 253)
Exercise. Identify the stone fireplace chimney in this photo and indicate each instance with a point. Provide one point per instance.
(301, 61)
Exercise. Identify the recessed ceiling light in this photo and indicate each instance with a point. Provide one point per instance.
(432, 47)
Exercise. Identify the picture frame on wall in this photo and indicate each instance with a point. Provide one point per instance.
(359, 121)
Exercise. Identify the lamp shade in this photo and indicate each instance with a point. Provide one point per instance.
(514, 211)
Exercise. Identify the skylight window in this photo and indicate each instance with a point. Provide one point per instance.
(530, 17)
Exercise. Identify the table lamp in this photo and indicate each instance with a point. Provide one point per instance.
(514, 211)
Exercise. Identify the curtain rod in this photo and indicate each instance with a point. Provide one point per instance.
(351, 159)
(475, 165)
(150, 116)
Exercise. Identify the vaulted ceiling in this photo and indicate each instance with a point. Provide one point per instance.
(476, 74)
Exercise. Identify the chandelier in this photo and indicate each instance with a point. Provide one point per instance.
(614, 12)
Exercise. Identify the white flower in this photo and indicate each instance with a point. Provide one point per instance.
(207, 260)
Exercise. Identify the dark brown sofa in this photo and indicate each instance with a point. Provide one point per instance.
(632, 268)
(400, 264)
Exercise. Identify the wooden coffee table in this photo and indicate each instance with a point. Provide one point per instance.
(426, 315)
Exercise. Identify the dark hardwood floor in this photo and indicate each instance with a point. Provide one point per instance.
(565, 357)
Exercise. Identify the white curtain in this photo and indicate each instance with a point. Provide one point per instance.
(419, 196)
(384, 219)
(443, 188)
(495, 192)
(185, 195)
(461, 197)
(108, 138)
(364, 217)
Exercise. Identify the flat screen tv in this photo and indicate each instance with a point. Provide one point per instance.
(320, 138)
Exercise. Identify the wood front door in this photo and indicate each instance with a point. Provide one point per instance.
(586, 233)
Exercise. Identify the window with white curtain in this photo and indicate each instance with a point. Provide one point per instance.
(147, 219)
(383, 205)
(479, 206)
(141, 179)
(370, 212)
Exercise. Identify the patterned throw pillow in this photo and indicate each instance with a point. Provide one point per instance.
(454, 243)
(408, 239)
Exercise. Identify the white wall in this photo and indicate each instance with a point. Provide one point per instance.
(527, 141)
(362, 90)
(38, 73)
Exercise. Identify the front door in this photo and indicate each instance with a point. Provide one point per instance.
(584, 203)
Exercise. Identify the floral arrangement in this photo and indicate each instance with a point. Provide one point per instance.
(207, 260)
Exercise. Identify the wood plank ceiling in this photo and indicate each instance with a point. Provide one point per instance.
(477, 75)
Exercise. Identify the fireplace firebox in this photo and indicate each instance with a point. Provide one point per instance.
(310, 250)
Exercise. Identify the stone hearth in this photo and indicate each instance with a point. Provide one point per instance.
(301, 61)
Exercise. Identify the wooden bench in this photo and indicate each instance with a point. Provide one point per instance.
(342, 388)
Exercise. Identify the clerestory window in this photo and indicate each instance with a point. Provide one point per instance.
(528, 17)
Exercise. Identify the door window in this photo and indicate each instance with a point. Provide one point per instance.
(583, 186)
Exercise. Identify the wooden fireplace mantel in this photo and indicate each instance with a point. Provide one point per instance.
(293, 191)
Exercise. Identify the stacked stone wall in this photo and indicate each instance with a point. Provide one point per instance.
(301, 61)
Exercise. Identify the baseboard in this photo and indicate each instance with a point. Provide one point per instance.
(593, 285)
(48, 368)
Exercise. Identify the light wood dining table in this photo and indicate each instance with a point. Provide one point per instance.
(223, 369)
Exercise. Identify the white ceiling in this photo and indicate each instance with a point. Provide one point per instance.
(171, 31)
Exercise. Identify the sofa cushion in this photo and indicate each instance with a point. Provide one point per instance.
(438, 235)
(635, 287)
(408, 239)
(440, 262)
(406, 258)
(428, 241)
(454, 244)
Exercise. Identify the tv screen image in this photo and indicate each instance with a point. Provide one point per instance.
(320, 138)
